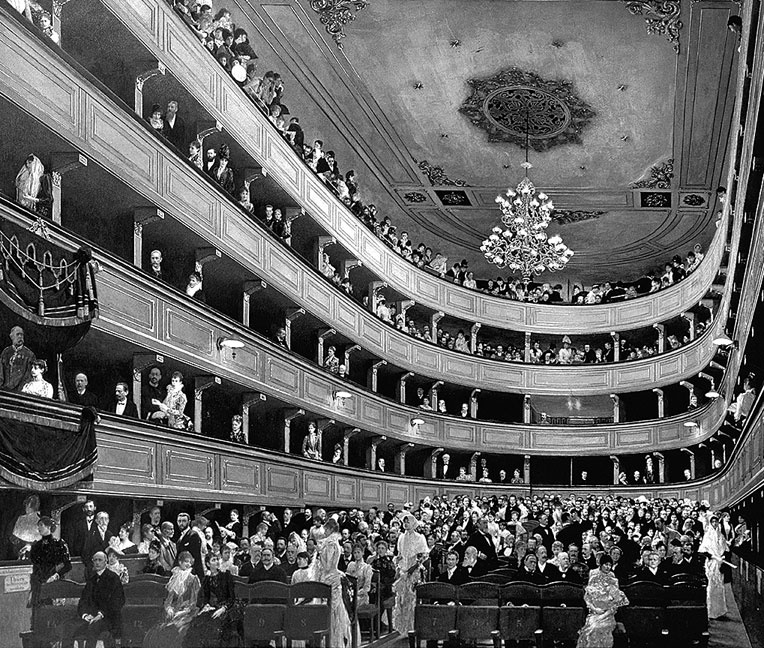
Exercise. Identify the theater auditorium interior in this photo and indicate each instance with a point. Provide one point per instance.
(354, 323)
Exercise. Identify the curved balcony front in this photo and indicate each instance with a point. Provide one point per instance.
(81, 113)
(164, 34)
(140, 460)
(150, 314)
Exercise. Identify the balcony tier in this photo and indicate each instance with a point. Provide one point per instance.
(139, 460)
(163, 33)
(152, 315)
(71, 104)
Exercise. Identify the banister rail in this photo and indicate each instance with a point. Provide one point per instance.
(162, 32)
(141, 460)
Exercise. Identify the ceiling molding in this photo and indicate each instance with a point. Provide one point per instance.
(661, 18)
(335, 14)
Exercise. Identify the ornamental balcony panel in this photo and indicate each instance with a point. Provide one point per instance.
(140, 460)
(122, 144)
(215, 90)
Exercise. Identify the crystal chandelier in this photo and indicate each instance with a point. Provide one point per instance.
(523, 245)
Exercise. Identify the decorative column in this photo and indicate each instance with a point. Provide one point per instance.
(372, 374)
(473, 466)
(201, 384)
(371, 452)
(205, 128)
(474, 403)
(290, 414)
(527, 352)
(616, 407)
(691, 454)
(152, 69)
(616, 346)
(434, 395)
(248, 289)
(661, 467)
(403, 306)
(661, 405)
(661, 329)
(205, 255)
(62, 163)
(290, 315)
(323, 334)
(616, 468)
(346, 265)
(473, 336)
(291, 214)
(402, 386)
(321, 244)
(434, 319)
(141, 362)
(66, 502)
(249, 400)
(431, 463)
(347, 435)
(400, 458)
(349, 351)
(527, 469)
(690, 317)
(527, 409)
(321, 425)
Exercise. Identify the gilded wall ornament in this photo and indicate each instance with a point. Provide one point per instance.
(655, 199)
(694, 200)
(567, 216)
(505, 104)
(415, 197)
(437, 176)
(661, 17)
(659, 177)
(335, 14)
(454, 198)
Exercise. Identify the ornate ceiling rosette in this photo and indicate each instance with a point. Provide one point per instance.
(335, 14)
(504, 104)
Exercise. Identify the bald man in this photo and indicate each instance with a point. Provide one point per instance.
(16, 362)
(100, 606)
(82, 395)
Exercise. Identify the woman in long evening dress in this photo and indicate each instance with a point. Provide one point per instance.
(412, 552)
(179, 606)
(603, 597)
(715, 545)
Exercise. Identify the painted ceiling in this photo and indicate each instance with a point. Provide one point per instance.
(428, 101)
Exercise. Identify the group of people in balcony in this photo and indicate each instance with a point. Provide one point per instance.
(33, 12)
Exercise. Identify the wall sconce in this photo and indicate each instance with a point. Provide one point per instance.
(230, 343)
(712, 393)
(724, 341)
(340, 396)
(691, 424)
(415, 423)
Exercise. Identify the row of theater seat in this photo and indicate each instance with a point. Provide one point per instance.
(273, 611)
(657, 615)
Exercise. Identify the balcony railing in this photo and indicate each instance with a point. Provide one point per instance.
(139, 460)
(166, 321)
(164, 34)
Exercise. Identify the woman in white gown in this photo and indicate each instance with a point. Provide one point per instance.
(715, 545)
(412, 552)
(324, 569)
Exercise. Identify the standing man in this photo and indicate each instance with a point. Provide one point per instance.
(174, 126)
(81, 395)
(190, 541)
(98, 540)
(156, 265)
(16, 362)
(123, 406)
(150, 392)
(84, 527)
